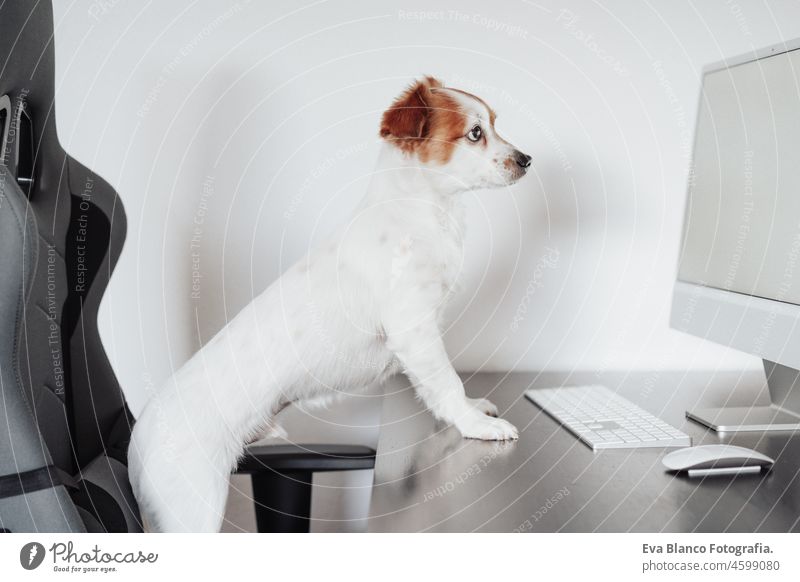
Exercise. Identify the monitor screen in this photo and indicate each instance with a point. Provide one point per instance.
(742, 223)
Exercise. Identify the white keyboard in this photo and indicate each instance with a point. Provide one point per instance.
(603, 420)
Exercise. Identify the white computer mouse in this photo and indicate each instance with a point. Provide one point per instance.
(716, 459)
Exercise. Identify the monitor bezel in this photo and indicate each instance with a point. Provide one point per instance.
(751, 56)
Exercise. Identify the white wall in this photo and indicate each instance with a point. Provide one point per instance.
(250, 128)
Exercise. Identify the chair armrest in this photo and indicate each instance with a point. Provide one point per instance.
(281, 476)
(310, 458)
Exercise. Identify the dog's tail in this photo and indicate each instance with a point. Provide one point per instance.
(179, 464)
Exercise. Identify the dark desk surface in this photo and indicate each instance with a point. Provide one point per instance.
(427, 478)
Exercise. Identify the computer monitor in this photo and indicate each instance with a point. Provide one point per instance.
(739, 269)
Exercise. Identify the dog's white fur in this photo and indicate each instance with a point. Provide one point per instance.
(356, 310)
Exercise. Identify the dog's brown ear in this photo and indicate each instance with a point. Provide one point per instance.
(408, 117)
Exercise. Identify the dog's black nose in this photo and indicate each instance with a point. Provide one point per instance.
(523, 160)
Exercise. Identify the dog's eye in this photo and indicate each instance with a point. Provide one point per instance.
(475, 133)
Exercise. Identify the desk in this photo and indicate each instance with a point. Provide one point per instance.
(427, 478)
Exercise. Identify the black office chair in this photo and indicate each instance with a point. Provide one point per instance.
(64, 424)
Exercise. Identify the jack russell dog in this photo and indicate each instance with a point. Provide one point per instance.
(367, 304)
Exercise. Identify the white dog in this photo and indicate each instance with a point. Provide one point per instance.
(354, 311)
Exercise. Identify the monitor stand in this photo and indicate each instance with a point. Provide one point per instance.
(782, 414)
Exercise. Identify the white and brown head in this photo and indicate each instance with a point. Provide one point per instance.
(453, 132)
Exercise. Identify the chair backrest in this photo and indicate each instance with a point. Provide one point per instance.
(63, 449)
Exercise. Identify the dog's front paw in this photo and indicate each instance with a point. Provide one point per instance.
(483, 405)
(486, 428)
